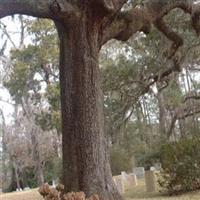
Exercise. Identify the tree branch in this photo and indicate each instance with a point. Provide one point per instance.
(157, 19)
(52, 9)
(36, 8)
(181, 112)
(63, 8)
(126, 24)
(192, 96)
(171, 35)
(188, 6)
(109, 6)
(153, 12)
(5, 32)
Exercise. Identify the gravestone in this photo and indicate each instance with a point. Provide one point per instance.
(130, 180)
(150, 181)
(152, 168)
(53, 183)
(158, 166)
(139, 172)
(26, 188)
(124, 177)
(118, 180)
(133, 180)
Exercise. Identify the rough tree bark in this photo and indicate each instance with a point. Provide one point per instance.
(85, 167)
(83, 27)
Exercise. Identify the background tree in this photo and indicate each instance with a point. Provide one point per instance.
(24, 83)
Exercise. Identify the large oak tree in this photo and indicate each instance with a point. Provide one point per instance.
(83, 27)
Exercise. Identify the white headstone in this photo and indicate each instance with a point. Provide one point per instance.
(53, 183)
(124, 176)
(26, 188)
(158, 166)
(152, 168)
(139, 172)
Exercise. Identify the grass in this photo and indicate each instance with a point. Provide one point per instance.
(139, 193)
(135, 193)
(25, 195)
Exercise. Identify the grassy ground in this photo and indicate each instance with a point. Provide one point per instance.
(139, 193)
(26, 195)
(135, 193)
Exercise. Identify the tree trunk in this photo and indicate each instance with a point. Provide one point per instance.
(162, 114)
(182, 129)
(16, 175)
(36, 156)
(4, 153)
(40, 174)
(86, 164)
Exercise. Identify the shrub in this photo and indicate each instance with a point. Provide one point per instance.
(181, 166)
(57, 193)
